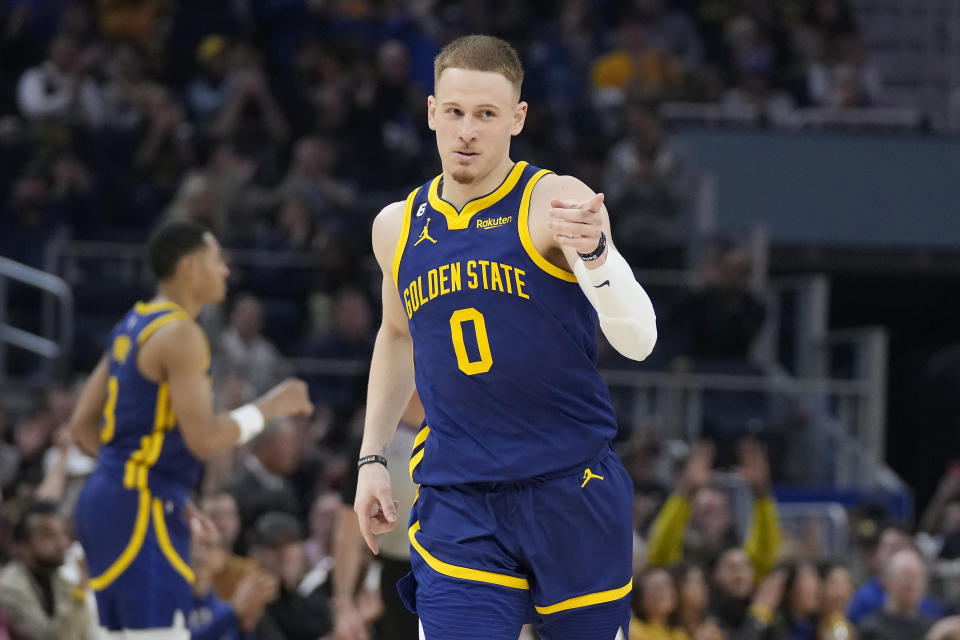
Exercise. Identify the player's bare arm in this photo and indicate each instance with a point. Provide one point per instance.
(178, 354)
(87, 415)
(568, 220)
(390, 386)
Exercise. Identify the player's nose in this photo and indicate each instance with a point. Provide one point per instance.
(468, 129)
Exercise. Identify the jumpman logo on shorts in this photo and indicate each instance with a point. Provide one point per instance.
(425, 234)
(588, 476)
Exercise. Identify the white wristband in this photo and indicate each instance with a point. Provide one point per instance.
(250, 420)
(625, 312)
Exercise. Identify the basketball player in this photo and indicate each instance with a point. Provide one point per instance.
(147, 410)
(495, 273)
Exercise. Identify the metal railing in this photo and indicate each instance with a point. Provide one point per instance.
(671, 405)
(849, 408)
(52, 345)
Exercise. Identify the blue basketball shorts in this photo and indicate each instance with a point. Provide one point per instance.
(137, 547)
(556, 551)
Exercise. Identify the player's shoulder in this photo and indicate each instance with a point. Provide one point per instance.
(562, 187)
(181, 334)
(389, 219)
(387, 227)
(557, 187)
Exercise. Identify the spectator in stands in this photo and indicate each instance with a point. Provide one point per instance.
(250, 111)
(723, 317)
(302, 608)
(798, 617)
(165, 149)
(312, 176)
(654, 604)
(230, 170)
(37, 602)
(706, 509)
(738, 609)
(671, 30)
(872, 595)
(323, 522)
(638, 64)
(261, 484)
(350, 338)
(755, 96)
(220, 508)
(196, 200)
(74, 194)
(841, 77)
(218, 617)
(29, 217)
(692, 597)
(244, 351)
(60, 90)
(905, 578)
(214, 83)
(648, 179)
(837, 591)
(126, 89)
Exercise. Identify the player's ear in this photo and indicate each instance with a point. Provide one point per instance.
(519, 117)
(432, 113)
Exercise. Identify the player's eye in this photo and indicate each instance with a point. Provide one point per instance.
(455, 112)
(488, 114)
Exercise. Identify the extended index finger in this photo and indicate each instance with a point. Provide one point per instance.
(594, 203)
(365, 530)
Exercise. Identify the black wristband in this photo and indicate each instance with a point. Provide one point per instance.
(371, 458)
(596, 253)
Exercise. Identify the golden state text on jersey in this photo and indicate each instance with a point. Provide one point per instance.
(504, 342)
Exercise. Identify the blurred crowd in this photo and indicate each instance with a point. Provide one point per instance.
(714, 557)
(285, 125)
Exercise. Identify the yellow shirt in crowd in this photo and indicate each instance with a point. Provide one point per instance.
(650, 631)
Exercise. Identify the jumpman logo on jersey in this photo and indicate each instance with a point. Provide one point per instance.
(588, 476)
(425, 234)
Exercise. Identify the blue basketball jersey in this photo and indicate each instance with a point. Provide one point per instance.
(142, 446)
(504, 342)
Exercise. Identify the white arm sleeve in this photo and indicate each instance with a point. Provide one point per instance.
(626, 313)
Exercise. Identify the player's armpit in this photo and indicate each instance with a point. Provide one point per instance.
(87, 415)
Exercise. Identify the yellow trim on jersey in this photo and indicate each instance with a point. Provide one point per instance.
(160, 527)
(140, 461)
(110, 410)
(156, 323)
(144, 308)
(404, 234)
(464, 573)
(421, 436)
(414, 461)
(585, 601)
(461, 219)
(527, 241)
(120, 565)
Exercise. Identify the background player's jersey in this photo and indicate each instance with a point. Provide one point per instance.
(504, 343)
(142, 446)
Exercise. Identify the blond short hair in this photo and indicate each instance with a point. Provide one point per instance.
(480, 53)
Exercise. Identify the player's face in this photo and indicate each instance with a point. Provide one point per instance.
(474, 114)
(212, 271)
